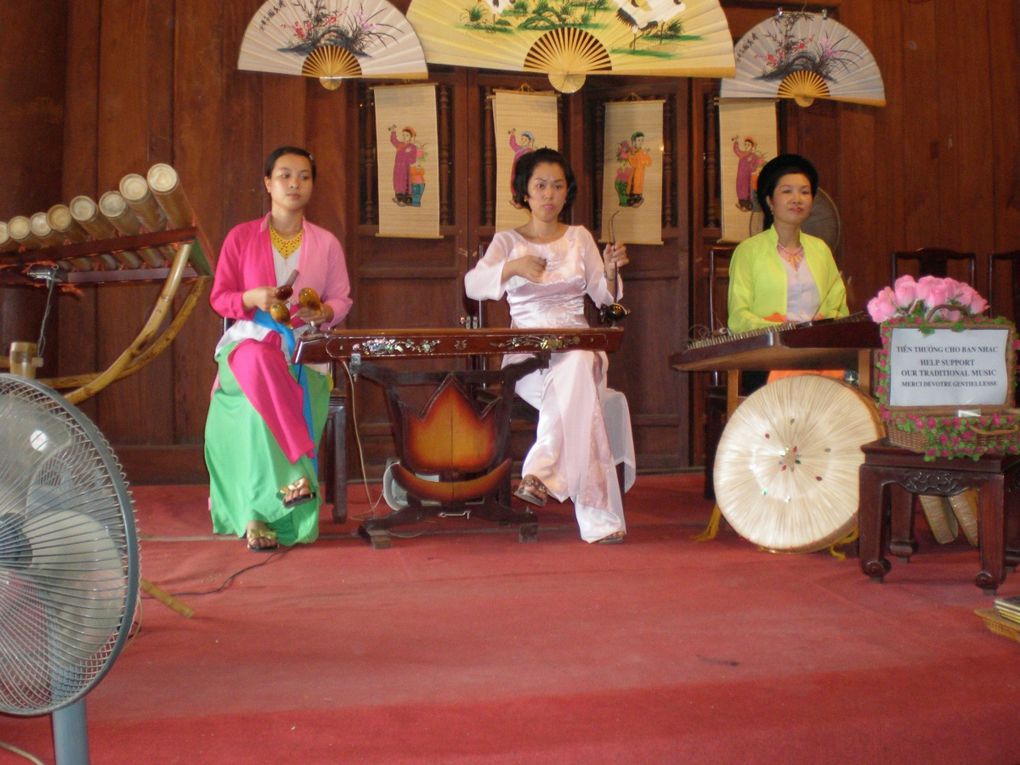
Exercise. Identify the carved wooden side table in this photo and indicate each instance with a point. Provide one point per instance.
(887, 517)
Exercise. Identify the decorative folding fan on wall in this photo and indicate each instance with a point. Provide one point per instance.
(567, 41)
(332, 40)
(804, 56)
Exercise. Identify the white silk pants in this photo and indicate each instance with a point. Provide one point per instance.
(572, 454)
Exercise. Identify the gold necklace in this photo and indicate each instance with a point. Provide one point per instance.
(286, 246)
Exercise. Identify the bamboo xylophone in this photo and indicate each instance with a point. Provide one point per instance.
(131, 234)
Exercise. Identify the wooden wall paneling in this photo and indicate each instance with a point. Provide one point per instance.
(947, 98)
(1004, 77)
(969, 208)
(32, 78)
(32, 91)
(922, 144)
(207, 110)
(703, 209)
(332, 141)
(892, 48)
(367, 213)
(75, 317)
(126, 99)
(860, 163)
(284, 117)
(230, 184)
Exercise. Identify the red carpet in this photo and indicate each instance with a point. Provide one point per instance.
(463, 646)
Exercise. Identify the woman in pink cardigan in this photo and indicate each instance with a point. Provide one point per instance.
(266, 414)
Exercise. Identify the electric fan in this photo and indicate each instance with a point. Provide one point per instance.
(69, 568)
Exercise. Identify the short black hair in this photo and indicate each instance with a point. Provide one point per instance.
(275, 154)
(776, 168)
(526, 167)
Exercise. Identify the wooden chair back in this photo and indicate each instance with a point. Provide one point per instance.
(1004, 284)
(935, 261)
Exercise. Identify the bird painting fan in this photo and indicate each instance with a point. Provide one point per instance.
(332, 40)
(568, 39)
(804, 56)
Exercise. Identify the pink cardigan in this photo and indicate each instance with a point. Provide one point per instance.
(246, 261)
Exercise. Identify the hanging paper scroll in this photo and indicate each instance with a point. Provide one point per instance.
(523, 122)
(407, 143)
(632, 176)
(748, 139)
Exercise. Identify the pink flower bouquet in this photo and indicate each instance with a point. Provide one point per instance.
(907, 297)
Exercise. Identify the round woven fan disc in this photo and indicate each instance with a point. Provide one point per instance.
(785, 471)
(803, 87)
(330, 64)
(567, 54)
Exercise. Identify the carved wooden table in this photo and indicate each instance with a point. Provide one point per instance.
(887, 518)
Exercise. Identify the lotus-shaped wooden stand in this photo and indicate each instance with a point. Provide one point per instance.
(454, 453)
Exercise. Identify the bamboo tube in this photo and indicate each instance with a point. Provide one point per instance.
(166, 186)
(6, 243)
(167, 599)
(114, 208)
(60, 220)
(139, 198)
(23, 359)
(153, 258)
(20, 229)
(109, 262)
(43, 231)
(86, 213)
(127, 258)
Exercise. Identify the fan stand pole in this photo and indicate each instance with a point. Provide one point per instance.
(70, 734)
(166, 598)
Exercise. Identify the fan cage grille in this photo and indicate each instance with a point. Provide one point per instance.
(68, 551)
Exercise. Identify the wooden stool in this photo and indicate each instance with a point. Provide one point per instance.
(886, 519)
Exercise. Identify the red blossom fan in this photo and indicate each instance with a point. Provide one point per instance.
(804, 56)
(332, 40)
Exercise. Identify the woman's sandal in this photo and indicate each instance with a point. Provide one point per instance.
(300, 491)
(616, 538)
(532, 490)
(254, 535)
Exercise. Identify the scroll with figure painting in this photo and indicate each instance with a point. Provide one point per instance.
(632, 176)
(407, 138)
(747, 139)
(522, 122)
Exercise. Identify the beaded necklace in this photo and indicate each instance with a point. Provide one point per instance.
(793, 256)
(286, 246)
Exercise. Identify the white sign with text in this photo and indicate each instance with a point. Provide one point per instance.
(947, 368)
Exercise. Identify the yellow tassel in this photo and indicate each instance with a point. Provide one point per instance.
(847, 540)
(712, 528)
